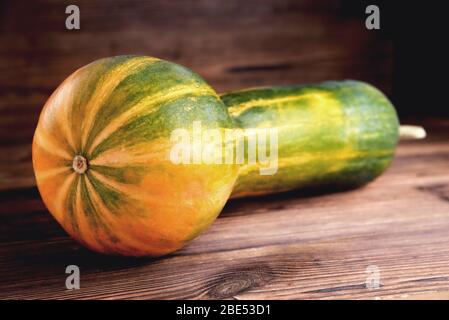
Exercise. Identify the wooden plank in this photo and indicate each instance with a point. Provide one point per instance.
(289, 246)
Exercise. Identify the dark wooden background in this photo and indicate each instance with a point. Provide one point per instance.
(235, 44)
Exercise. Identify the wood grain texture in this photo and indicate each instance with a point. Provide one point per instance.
(298, 245)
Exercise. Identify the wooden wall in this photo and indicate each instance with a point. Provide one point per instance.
(233, 44)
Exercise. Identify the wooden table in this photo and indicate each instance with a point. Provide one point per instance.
(289, 246)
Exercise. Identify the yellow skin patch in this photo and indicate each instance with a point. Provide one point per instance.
(235, 111)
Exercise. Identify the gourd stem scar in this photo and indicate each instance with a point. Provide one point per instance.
(80, 164)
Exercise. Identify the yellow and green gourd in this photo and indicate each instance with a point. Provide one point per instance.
(102, 144)
(332, 134)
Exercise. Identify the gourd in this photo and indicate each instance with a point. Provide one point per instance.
(333, 134)
(100, 156)
(103, 144)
